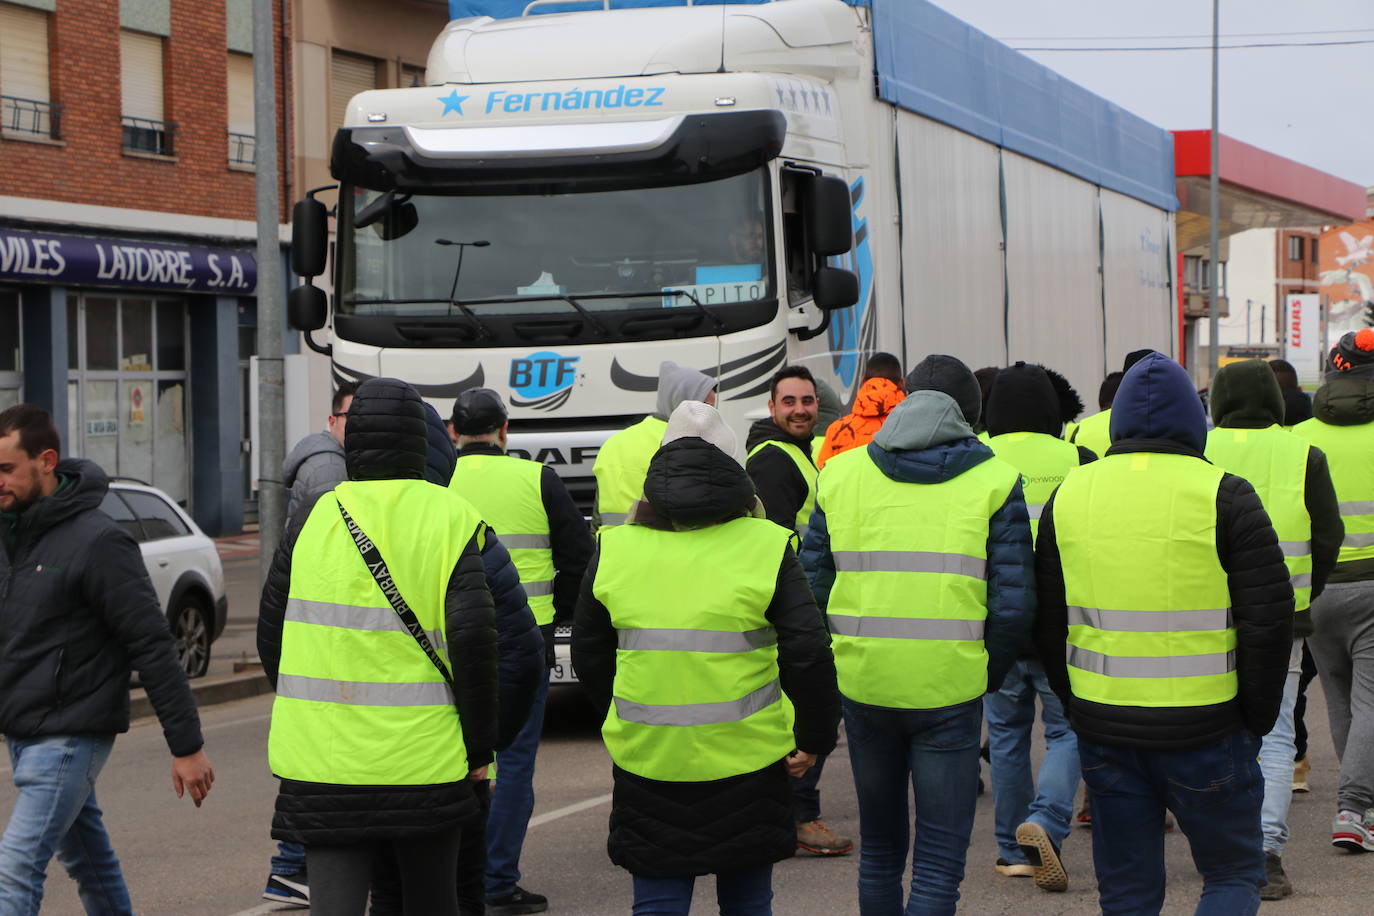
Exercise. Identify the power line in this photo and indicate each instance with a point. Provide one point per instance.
(1208, 47)
(1178, 37)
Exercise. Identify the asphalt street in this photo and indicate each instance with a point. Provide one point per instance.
(214, 861)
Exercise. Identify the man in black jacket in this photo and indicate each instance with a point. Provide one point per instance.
(1164, 577)
(79, 611)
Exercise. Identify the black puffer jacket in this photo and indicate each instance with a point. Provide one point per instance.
(1156, 410)
(781, 487)
(665, 829)
(386, 439)
(78, 611)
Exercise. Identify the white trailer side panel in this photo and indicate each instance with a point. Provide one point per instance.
(1136, 270)
(951, 266)
(1054, 288)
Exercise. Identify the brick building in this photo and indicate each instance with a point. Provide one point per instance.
(127, 234)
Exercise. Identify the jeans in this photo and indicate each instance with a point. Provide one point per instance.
(341, 875)
(290, 858)
(1214, 791)
(512, 801)
(747, 892)
(1276, 761)
(935, 751)
(806, 793)
(1011, 715)
(56, 812)
(1343, 645)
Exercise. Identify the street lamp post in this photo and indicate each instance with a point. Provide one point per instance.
(1214, 245)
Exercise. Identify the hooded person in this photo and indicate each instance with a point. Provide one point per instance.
(704, 719)
(920, 554)
(882, 390)
(623, 459)
(1165, 626)
(1094, 431)
(1342, 643)
(1294, 483)
(1026, 410)
(829, 408)
(1297, 404)
(376, 609)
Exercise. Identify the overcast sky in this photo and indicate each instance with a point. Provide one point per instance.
(1311, 104)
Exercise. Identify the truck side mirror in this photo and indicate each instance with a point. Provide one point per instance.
(829, 217)
(309, 237)
(306, 308)
(834, 288)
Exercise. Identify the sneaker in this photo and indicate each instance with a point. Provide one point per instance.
(1015, 869)
(1350, 831)
(1300, 771)
(1044, 855)
(814, 837)
(292, 890)
(517, 902)
(1276, 885)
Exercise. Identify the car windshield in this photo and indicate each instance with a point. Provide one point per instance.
(673, 247)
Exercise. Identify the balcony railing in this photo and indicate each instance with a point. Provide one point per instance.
(144, 135)
(31, 117)
(242, 148)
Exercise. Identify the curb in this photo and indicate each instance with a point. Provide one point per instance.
(208, 692)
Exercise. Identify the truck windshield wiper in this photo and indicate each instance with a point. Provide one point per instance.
(720, 325)
(482, 329)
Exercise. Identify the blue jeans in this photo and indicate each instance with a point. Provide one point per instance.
(290, 858)
(747, 892)
(56, 812)
(806, 793)
(512, 801)
(1276, 761)
(1214, 791)
(1017, 798)
(935, 751)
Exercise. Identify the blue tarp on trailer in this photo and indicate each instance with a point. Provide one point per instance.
(939, 66)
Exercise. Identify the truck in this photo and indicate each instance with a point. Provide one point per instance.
(584, 190)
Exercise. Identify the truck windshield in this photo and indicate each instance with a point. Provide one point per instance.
(684, 247)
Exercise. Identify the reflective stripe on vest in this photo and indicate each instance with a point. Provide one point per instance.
(1275, 462)
(909, 602)
(696, 692)
(1350, 456)
(621, 465)
(807, 468)
(358, 702)
(1149, 619)
(1043, 460)
(508, 492)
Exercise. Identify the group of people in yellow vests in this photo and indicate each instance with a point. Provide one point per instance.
(954, 561)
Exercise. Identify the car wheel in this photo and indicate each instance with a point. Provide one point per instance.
(191, 631)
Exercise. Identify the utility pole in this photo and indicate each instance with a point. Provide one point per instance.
(1214, 245)
(271, 410)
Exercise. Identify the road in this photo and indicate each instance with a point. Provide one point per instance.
(213, 861)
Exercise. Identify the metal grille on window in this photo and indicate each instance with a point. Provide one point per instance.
(241, 126)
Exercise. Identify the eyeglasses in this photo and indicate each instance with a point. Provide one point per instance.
(343, 413)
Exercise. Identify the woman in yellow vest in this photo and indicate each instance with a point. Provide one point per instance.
(1165, 625)
(376, 630)
(697, 633)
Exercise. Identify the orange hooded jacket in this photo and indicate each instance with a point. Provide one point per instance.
(872, 404)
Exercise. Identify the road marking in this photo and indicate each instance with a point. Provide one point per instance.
(570, 809)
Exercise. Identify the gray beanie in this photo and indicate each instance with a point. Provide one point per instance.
(938, 372)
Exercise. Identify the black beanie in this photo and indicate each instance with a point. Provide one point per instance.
(1353, 354)
(1134, 357)
(948, 374)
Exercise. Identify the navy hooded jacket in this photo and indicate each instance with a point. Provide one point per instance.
(1157, 410)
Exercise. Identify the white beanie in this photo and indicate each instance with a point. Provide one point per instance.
(695, 418)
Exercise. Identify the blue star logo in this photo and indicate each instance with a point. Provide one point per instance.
(453, 102)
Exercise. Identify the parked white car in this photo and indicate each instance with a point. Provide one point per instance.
(182, 562)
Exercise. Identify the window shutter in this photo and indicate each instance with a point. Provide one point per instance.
(241, 94)
(140, 70)
(349, 74)
(23, 53)
(412, 76)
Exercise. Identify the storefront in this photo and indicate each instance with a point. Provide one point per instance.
(134, 347)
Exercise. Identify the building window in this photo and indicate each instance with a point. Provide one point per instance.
(349, 74)
(140, 71)
(1295, 248)
(1313, 249)
(242, 145)
(26, 108)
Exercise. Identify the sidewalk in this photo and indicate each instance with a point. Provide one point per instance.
(238, 546)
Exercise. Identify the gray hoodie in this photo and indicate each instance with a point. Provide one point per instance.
(677, 384)
(314, 466)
